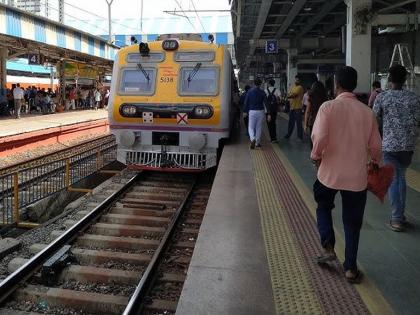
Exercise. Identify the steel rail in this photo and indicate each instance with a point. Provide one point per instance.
(136, 302)
(25, 164)
(12, 282)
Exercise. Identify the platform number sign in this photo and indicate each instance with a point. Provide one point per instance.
(34, 59)
(271, 47)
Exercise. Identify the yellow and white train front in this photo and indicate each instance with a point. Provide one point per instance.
(170, 107)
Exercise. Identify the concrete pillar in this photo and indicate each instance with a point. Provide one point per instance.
(291, 67)
(62, 82)
(3, 69)
(358, 44)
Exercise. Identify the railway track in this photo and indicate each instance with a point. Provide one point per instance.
(129, 255)
(59, 154)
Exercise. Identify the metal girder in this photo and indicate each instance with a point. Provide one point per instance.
(262, 17)
(321, 61)
(297, 6)
(388, 3)
(396, 5)
(326, 8)
(395, 19)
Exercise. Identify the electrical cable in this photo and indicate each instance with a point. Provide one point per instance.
(198, 17)
(182, 10)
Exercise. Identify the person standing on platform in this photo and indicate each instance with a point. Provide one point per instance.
(345, 135)
(273, 101)
(98, 97)
(255, 108)
(72, 98)
(18, 97)
(295, 116)
(317, 95)
(398, 114)
(242, 105)
(376, 89)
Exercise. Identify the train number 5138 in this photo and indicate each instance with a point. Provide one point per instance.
(166, 79)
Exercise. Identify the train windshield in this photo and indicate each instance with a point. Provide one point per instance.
(137, 81)
(201, 81)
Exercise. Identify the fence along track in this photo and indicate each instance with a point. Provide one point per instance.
(37, 179)
(134, 224)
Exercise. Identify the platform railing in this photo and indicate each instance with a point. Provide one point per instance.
(24, 187)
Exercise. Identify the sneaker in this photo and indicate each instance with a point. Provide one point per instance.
(252, 145)
(274, 141)
(396, 226)
(327, 256)
(354, 277)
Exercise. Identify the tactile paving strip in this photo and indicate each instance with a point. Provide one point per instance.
(335, 294)
(293, 292)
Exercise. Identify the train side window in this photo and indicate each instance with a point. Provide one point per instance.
(203, 81)
(135, 82)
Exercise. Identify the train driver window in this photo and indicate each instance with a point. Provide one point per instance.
(138, 81)
(201, 81)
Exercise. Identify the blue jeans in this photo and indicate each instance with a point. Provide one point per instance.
(353, 208)
(398, 188)
(295, 117)
(255, 124)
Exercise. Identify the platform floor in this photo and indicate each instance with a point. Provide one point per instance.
(257, 243)
(27, 123)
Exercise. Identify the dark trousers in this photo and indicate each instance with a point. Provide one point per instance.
(353, 205)
(295, 117)
(246, 119)
(272, 128)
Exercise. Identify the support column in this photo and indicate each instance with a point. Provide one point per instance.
(62, 82)
(359, 42)
(3, 69)
(291, 67)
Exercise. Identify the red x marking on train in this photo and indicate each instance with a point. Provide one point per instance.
(182, 118)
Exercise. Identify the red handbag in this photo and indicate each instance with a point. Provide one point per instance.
(379, 179)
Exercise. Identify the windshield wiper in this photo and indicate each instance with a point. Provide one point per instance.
(146, 75)
(193, 72)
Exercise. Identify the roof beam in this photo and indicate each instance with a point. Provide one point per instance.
(340, 21)
(395, 19)
(388, 3)
(262, 17)
(325, 9)
(396, 5)
(294, 11)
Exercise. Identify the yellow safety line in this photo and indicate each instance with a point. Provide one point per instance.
(370, 294)
(293, 293)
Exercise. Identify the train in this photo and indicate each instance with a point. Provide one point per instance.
(170, 105)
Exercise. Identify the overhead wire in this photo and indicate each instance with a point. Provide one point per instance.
(182, 10)
(198, 17)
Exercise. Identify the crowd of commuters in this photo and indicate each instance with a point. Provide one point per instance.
(348, 138)
(18, 100)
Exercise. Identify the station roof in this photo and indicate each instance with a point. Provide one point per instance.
(312, 26)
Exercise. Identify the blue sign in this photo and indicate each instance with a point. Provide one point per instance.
(271, 47)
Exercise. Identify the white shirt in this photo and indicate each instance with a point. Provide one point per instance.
(17, 93)
(97, 96)
(276, 92)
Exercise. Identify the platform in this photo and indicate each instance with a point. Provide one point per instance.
(31, 130)
(257, 243)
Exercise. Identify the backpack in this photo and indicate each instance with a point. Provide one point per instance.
(272, 103)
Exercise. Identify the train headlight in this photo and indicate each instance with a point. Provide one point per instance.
(203, 111)
(198, 141)
(127, 138)
(129, 110)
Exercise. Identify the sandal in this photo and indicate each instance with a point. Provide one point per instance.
(356, 278)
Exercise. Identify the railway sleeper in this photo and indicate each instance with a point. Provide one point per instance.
(117, 218)
(156, 196)
(94, 303)
(143, 212)
(146, 201)
(121, 229)
(157, 189)
(162, 306)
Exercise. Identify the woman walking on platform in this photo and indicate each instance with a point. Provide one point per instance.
(317, 95)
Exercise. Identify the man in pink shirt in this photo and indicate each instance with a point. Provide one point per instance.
(345, 136)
